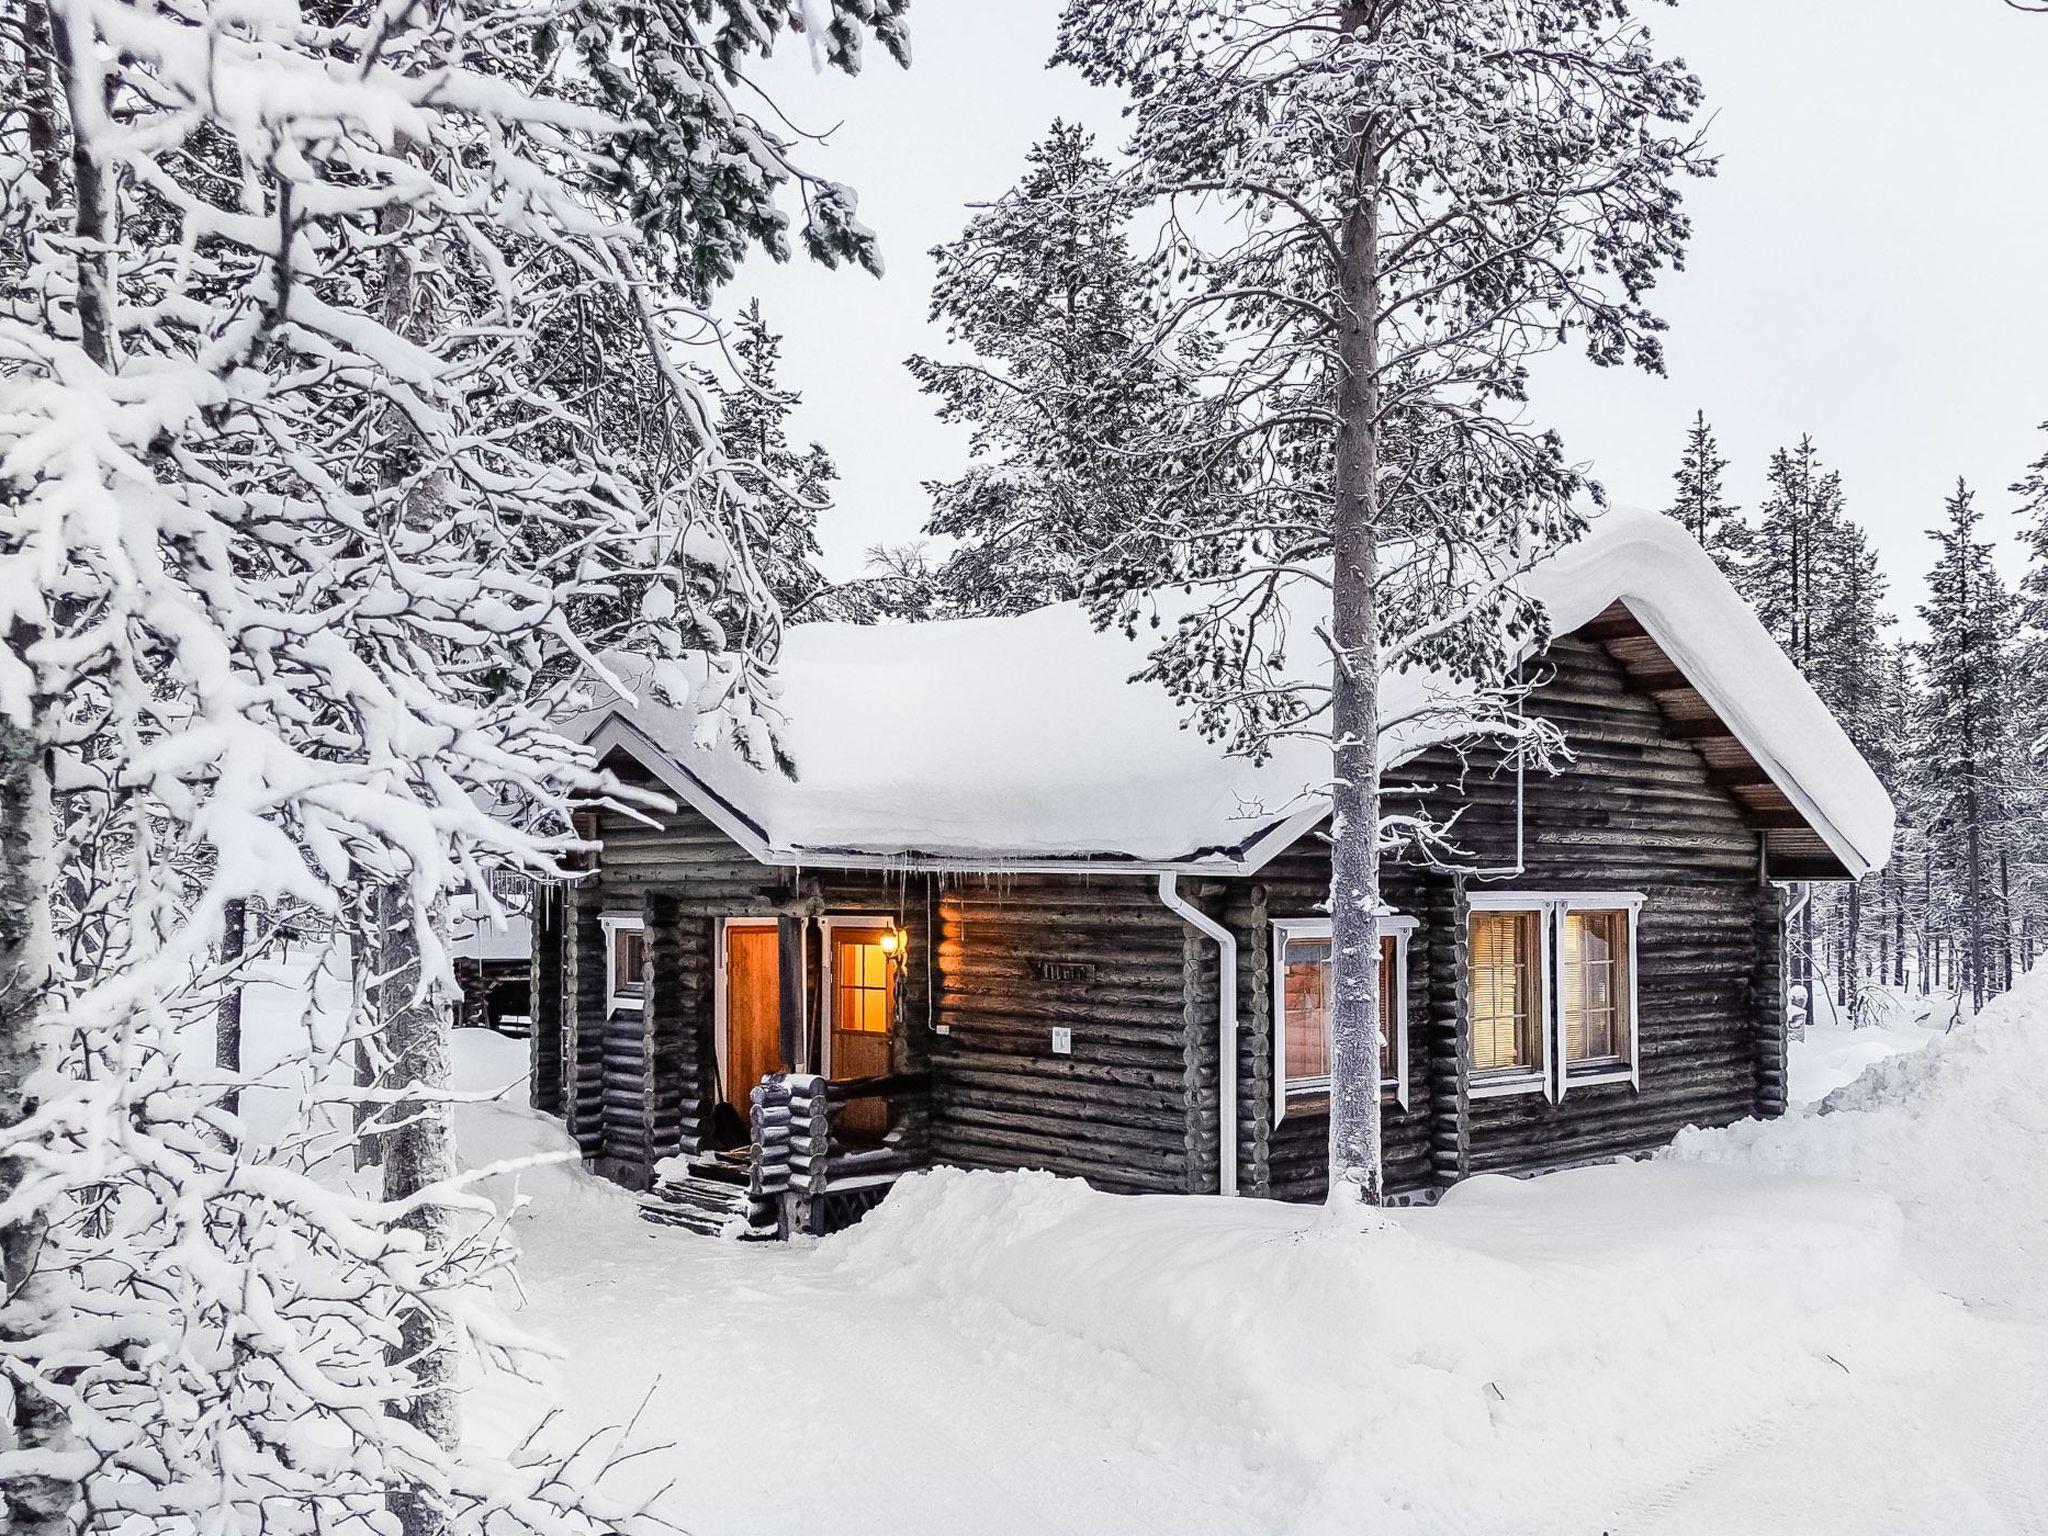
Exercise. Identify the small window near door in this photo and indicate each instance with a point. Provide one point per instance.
(1507, 992)
(626, 962)
(1595, 989)
(862, 1000)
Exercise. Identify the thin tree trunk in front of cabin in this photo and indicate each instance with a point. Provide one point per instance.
(31, 1504)
(1852, 943)
(1356, 1176)
(227, 1021)
(419, 1151)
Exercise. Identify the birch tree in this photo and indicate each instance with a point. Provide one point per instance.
(1381, 210)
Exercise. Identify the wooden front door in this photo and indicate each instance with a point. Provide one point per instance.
(753, 1013)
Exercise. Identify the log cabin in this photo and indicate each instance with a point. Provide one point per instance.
(1009, 913)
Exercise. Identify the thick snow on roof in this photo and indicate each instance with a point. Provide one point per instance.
(1022, 740)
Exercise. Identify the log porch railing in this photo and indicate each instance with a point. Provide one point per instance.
(808, 1176)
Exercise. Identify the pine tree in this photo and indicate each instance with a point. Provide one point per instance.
(1701, 504)
(1043, 290)
(1965, 730)
(1400, 203)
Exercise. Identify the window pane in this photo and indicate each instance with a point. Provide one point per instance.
(1305, 1007)
(629, 960)
(1390, 994)
(1594, 986)
(1506, 980)
(861, 1002)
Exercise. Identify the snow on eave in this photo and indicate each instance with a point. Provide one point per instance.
(1120, 788)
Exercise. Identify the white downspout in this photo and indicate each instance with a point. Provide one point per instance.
(1226, 1025)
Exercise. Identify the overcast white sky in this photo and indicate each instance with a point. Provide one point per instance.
(1871, 265)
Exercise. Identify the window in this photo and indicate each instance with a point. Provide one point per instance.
(625, 945)
(1507, 992)
(1553, 991)
(860, 981)
(1594, 990)
(1304, 992)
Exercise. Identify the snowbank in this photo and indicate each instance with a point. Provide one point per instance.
(1956, 1133)
(1595, 1326)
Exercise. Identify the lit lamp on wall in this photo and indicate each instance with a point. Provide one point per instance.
(895, 944)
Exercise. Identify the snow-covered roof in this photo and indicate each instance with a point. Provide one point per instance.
(1020, 742)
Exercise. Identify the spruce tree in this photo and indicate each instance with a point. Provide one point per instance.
(1043, 291)
(1701, 504)
(786, 487)
(1965, 731)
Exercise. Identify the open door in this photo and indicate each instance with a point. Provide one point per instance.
(753, 1020)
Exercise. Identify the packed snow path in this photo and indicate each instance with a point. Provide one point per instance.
(1716, 1341)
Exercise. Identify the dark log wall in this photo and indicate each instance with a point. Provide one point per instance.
(1133, 1107)
(1632, 811)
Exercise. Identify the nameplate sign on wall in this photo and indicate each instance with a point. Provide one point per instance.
(1063, 970)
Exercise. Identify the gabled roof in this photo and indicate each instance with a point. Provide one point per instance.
(1020, 743)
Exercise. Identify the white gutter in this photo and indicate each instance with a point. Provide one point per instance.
(1226, 1024)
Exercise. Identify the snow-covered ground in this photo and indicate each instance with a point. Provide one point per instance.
(1837, 1322)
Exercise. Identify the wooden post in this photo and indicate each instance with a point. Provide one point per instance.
(789, 935)
(1256, 1062)
(1449, 1032)
(664, 1032)
(583, 1020)
(1767, 994)
(545, 992)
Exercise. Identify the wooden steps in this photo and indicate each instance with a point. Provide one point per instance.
(708, 1195)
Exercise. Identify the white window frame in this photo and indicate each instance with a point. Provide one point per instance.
(827, 983)
(1555, 1075)
(1601, 1071)
(1286, 929)
(722, 1034)
(615, 923)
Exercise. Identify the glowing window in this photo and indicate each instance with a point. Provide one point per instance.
(1507, 991)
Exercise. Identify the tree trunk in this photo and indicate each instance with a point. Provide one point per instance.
(1851, 943)
(227, 1022)
(1356, 1177)
(1973, 886)
(419, 1150)
(30, 1505)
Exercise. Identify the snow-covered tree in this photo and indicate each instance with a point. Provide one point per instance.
(1701, 503)
(1043, 291)
(1787, 577)
(1373, 212)
(1966, 737)
(786, 488)
(299, 509)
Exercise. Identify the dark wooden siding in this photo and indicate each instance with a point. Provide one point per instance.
(1021, 956)
(1633, 810)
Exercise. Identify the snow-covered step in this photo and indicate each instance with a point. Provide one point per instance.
(706, 1195)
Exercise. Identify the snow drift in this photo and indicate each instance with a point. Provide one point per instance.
(1956, 1133)
(1595, 1325)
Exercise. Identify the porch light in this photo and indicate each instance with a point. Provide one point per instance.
(892, 942)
